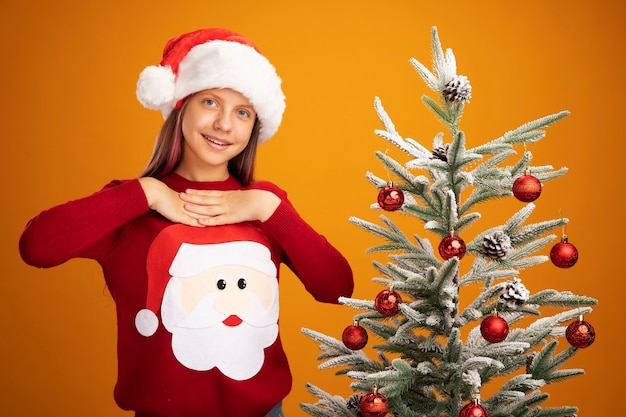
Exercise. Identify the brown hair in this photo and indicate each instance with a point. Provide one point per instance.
(168, 150)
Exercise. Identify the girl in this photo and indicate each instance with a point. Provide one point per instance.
(190, 250)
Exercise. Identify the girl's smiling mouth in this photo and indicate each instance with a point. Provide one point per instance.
(215, 141)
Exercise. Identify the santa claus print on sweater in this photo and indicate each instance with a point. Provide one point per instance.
(216, 290)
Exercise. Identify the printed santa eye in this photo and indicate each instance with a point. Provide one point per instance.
(221, 284)
(242, 283)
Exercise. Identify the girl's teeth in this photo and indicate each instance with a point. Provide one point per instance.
(217, 142)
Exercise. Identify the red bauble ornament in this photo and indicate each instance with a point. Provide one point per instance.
(564, 254)
(390, 198)
(374, 405)
(354, 337)
(473, 409)
(387, 302)
(452, 246)
(494, 329)
(580, 333)
(527, 188)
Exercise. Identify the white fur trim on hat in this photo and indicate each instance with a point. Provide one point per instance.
(191, 259)
(217, 64)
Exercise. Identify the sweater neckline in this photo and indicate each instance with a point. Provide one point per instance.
(179, 183)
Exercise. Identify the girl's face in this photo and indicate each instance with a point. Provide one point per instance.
(216, 126)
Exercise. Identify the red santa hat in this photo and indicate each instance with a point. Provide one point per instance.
(214, 58)
(180, 251)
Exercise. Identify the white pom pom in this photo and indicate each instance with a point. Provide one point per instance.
(146, 322)
(156, 87)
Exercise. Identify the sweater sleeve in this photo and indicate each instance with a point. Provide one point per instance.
(323, 270)
(81, 228)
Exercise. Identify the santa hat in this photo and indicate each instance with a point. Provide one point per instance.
(238, 244)
(214, 58)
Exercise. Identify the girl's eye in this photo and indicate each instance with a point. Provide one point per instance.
(209, 102)
(244, 113)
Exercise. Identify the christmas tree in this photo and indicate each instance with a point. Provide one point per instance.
(434, 352)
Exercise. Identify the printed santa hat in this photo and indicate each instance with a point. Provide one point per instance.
(186, 248)
(214, 58)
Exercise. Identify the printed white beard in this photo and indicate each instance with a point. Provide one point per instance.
(200, 341)
(236, 351)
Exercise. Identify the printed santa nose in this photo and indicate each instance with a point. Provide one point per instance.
(232, 300)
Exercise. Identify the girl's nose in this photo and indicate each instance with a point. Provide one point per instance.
(223, 122)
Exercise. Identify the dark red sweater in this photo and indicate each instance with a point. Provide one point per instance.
(116, 227)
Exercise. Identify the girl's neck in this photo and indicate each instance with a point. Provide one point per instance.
(202, 175)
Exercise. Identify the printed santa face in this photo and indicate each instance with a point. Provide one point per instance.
(220, 304)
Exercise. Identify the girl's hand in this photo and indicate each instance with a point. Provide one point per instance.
(212, 208)
(167, 202)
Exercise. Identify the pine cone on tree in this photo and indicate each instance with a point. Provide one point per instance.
(441, 152)
(458, 90)
(515, 294)
(496, 245)
(353, 401)
(529, 361)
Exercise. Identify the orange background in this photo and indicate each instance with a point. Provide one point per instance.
(70, 123)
